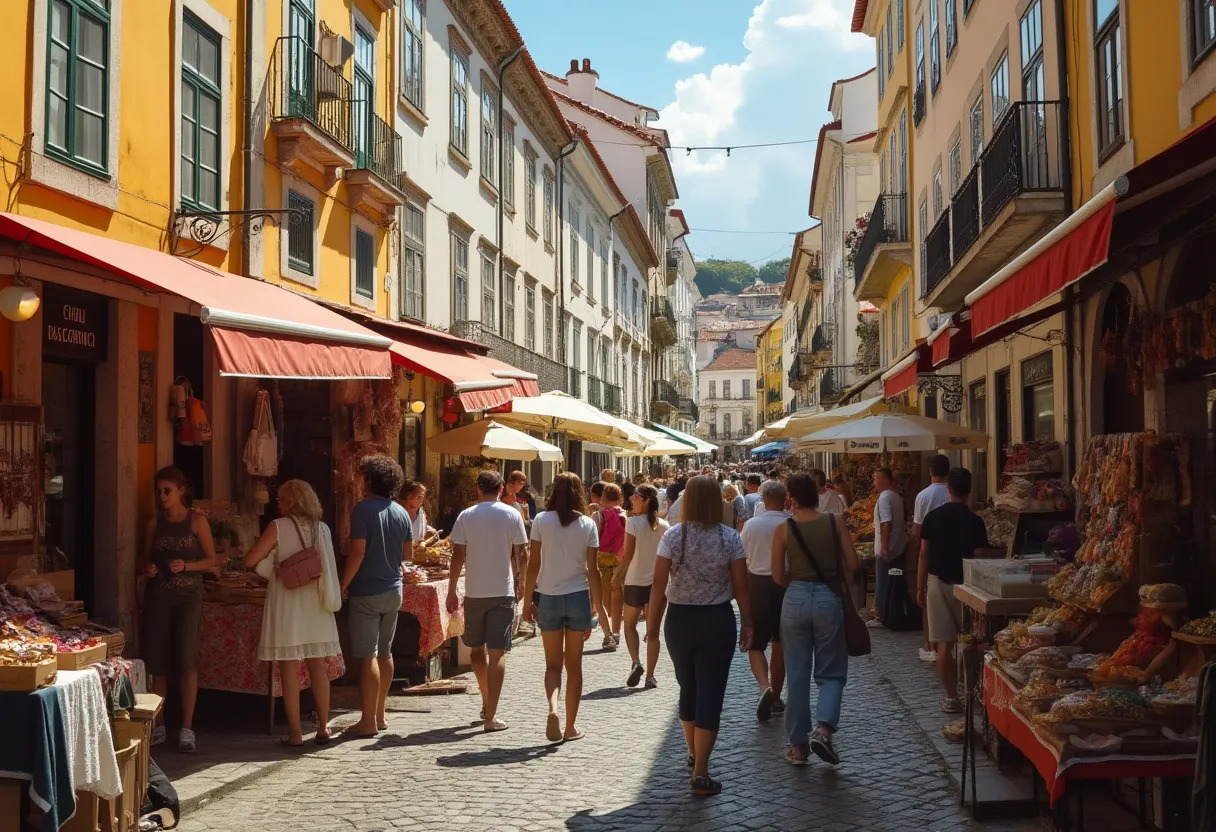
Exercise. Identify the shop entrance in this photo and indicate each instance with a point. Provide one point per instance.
(305, 430)
(68, 414)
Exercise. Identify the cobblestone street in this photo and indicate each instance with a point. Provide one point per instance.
(436, 770)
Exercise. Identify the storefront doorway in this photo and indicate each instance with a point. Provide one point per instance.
(306, 431)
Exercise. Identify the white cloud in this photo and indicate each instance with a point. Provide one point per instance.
(683, 52)
(827, 15)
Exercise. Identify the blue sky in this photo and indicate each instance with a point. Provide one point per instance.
(721, 72)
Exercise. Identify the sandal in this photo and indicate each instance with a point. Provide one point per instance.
(553, 729)
(286, 742)
(495, 725)
(577, 735)
(186, 741)
(692, 761)
(322, 739)
(706, 786)
(821, 744)
(796, 755)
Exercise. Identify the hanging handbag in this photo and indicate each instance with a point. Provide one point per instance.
(262, 447)
(303, 567)
(856, 635)
(195, 428)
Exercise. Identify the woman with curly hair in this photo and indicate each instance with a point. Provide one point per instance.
(564, 570)
(298, 624)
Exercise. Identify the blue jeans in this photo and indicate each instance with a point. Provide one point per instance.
(812, 633)
(881, 567)
(564, 612)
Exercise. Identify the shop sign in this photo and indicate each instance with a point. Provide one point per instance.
(75, 325)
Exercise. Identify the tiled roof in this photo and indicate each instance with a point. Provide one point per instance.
(733, 360)
(642, 133)
(759, 288)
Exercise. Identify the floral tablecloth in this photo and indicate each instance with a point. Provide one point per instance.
(228, 647)
(428, 603)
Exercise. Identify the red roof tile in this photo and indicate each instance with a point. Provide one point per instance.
(733, 360)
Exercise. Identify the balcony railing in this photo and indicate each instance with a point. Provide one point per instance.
(815, 275)
(663, 322)
(377, 146)
(965, 213)
(937, 253)
(829, 388)
(550, 374)
(689, 408)
(1023, 156)
(821, 341)
(595, 391)
(672, 270)
(664, 394)
(800, 370)
(888, 224)
(575, 387)
(918, 104)
(614, 401)
(305, 86)
(773, 396)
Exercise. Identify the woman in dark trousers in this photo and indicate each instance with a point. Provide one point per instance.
(810, 550)
(700, 566)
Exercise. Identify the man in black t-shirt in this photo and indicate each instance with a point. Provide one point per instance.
(949, 534)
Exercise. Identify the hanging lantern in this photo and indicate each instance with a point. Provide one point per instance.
(450, 418)
(18, 302)
(451, 411)
(417, 406)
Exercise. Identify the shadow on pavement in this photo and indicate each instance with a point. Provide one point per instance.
(497, 756)
(436, 736)
(610, 693)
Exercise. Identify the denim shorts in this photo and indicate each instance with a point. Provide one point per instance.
(565, 612)
(373, 623)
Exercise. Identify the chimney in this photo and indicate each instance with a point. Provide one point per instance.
(580, 83)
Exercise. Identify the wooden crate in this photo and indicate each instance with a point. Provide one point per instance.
(87, 814)
(27, 677)
(80, 659)
(64, 582)
(75, 619)
(122, 813)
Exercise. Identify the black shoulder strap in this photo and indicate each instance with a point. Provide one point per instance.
(802, 545)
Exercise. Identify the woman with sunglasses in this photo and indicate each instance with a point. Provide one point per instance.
(178, 549)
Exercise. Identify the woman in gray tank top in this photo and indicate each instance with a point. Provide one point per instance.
(812, 553)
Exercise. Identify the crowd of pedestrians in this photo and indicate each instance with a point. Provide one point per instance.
(679, 556)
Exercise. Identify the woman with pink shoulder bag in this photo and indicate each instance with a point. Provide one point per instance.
(296, 554)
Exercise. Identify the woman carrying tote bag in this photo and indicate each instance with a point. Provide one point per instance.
(812, 555)
(298, 623)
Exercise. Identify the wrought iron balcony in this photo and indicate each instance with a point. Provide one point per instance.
(672, 270)
(884, 247)
(689, 408)
(814, 274)
(829, 389)
(375, 179)
(614, 401)
(937, 253)
(1012, 196)
(664, 397)
(800, 369)
(918, 104)
(310, 108)
(550, 374)
(821, 341)
(575, 387)
(663, 332)
(773, 396)
(595, 391)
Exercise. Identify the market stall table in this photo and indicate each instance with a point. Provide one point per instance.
(58, 738)
(1058, 762)
(228, 638)
(427, 602)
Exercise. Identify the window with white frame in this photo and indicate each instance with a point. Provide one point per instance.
(713, 389)
(935, 66)
(508, 306)
(590, 259)
(920, 55)
(1109, 62)
(890, 44)
(975, 124)
(530, 187)
(300, 227)
(572, 220)
(489, 318)
(604, 287)
(412, 61)
(548, 322)
(489, 127)
(937, 192)
(460, 277)
(747, 388)
(365, 263)
(460, 100)
(951, 26)
(903, 159)
(1000, 89)
(508, 165)
(549, 206)
(576, 344)
(956, 164)
(1203, 28)
(591, 352)
(413, 264)
(924, 232)
(530, 314)
(1031, 27)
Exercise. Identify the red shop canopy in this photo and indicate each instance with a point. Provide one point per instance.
(902, 375)
(480, 382)
(299, 339)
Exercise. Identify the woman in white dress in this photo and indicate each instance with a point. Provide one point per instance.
(298, 624)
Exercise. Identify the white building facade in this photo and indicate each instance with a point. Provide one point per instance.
(728, 401)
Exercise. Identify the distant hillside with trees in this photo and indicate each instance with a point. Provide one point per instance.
(716, 276)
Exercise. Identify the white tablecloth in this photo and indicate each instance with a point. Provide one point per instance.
(94, 766)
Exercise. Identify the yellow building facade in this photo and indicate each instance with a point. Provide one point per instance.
(770, 374)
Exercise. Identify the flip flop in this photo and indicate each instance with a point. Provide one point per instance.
(351, 734)
(553, 729)
(495, 725)
(286, 742)
(322, 740)
(577, 735)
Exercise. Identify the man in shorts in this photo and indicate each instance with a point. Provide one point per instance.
(950, 533)
(380, 539)
(490, 538)
(766, 599)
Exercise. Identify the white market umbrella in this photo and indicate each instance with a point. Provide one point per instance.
(800, 424)
(659, 445)
(562, 413)
(756, 438)
(490, 439)
(894, 432)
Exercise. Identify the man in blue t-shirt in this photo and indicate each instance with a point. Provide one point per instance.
(380, 539)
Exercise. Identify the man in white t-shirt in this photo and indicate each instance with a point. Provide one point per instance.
(889, 536)
(830, 501)
(490, 538)
(933, 496)
(766, 599)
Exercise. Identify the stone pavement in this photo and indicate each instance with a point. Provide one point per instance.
(436, 770)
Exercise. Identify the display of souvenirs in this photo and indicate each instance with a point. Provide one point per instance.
(414, 575)
(1163, 594)
(1180, 693)
(1000, 525)
(1044, 658)
(1201, 627)
(1023, 494)
(1042, 455)
(1108, 703)
(1149, 637)
(20, 646)
(1088, 585)
(860, 518)
(438, 555)
(1086, 661)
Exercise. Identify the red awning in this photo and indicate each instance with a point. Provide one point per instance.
(480, 382)
(950, 341)
(902, 375)
(259, 329)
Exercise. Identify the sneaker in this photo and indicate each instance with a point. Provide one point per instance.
(609, 644)
(926, 655)
(821, 745)
(796, 755)
(635, 675)
(764, 708)
(874, 624)
(185, 741)
(651, 683)
(951, 706)
(706, 786)
(159, 734)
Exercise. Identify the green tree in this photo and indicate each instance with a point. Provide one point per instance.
(716, 276)
(774, 271)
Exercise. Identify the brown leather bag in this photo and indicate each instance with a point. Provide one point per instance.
(856, 635)
(302, 568)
